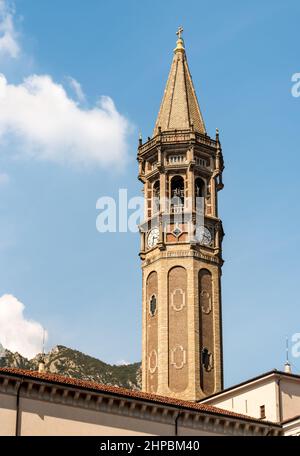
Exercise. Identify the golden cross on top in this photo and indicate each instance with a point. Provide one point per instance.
(179, 32)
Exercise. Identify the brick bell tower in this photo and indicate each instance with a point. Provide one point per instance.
(181, 241)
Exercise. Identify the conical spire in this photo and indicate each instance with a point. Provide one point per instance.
(179, 108)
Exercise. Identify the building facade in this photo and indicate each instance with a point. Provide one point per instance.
(40, 404)
(273, 396)
(181, 245)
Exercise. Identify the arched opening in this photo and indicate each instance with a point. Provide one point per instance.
(199, 187)
(177, 194)
(199, 194)
(156, 196)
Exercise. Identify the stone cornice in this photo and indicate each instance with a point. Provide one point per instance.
(176, 137)
(208, 258)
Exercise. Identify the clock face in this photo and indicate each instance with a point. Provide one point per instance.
(203, 235)
(153, 238)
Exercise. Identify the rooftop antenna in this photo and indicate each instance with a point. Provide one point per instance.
(42, 357)
(287, 365)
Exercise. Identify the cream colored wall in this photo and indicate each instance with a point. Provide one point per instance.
(290, 397)
(263, 392)
(7, 414)
(185, 431)
(255, 395)
(45, 418)
(292, 428)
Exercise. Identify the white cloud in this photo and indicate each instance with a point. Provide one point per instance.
(76, 86)
(9, 45)
(16, 332)
(39, 120)
(4, 179)
(42, 122)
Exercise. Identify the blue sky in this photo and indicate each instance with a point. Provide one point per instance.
(85, 287)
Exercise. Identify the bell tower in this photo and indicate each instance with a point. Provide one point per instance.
(181, 245)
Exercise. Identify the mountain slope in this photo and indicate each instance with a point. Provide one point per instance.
(72, 363)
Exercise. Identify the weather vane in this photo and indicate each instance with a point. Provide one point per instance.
(179, 32)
